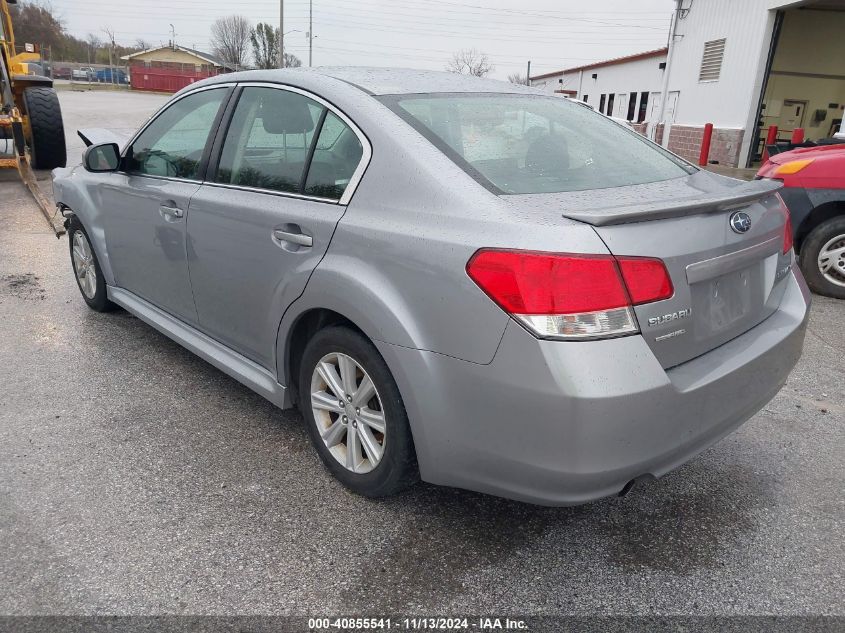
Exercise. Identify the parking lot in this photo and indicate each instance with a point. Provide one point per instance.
(137, 479)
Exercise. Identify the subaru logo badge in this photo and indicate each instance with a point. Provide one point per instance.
(740, 222)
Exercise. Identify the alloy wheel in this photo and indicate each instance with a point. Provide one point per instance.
(83, 265)
(348, 412)
(831, 260)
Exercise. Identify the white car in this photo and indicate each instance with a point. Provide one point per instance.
(84, 73)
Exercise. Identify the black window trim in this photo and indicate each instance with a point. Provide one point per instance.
(223, 128)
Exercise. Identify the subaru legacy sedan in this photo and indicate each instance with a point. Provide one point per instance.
(454, 279)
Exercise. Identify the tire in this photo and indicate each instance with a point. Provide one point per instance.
(47, 142)
(396, 469)
(826, 236)
(98, 299)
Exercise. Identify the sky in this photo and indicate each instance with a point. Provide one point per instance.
(553, 34)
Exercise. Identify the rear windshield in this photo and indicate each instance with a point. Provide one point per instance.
(535, 144)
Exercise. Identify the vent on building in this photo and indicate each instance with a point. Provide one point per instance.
(711, 61)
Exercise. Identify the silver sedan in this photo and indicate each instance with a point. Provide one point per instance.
(454, 279)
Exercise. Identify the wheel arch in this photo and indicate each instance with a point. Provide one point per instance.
(300, 331)
(820, 214)
(74, 203)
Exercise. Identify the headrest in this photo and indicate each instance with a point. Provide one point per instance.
(285, 112)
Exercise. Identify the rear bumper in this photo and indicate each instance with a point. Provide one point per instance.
(561, 423)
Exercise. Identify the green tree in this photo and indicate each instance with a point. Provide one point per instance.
(265, 48)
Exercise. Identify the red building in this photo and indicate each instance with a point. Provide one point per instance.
(171, 68)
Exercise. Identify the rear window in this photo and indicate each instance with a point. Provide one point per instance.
(535, 144)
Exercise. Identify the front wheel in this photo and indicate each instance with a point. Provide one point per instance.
(822, 258)
(355, 415)
(86, 269)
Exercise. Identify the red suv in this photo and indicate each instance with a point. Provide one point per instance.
(814, 191)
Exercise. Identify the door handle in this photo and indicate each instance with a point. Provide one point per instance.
(294, 238)
(170, 212)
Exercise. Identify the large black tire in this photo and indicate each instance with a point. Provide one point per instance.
(47, 143)
(819, 237)
(98, 300)
(397, 469)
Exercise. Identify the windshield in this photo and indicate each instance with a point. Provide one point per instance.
(535, 144)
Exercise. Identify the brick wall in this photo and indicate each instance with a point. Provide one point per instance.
(685, 140)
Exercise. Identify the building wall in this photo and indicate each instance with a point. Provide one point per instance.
(169, 55)
(642, 75)
(726, 102)
(730, 103)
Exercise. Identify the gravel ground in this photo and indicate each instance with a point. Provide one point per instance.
(137, 479)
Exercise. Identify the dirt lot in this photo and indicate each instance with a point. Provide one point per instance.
(135, 478)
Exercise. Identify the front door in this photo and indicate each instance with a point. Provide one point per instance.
(791, 117)
(263, 221)
(145, 206)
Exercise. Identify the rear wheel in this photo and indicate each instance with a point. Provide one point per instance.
(355, 415)
(47, 131)
(822, 258)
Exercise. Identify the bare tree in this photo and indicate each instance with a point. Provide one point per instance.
(517, 78)
(93, 44)
(469, 61)
(230, 38)
(142, 44)
(292, 61)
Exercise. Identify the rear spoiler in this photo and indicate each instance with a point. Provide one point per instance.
(738, 196)
(96, 135)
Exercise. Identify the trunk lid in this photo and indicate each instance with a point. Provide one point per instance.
(725, 281)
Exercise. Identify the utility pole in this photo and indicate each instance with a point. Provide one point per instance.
(528, 74)
(173, 37)
(310, 29)
(664, 95)
(281, 33)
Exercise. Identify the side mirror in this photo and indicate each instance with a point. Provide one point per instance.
(102, 157)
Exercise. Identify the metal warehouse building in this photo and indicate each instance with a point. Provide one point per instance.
(741, 65)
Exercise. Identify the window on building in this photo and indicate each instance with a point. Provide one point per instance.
(610, 104)
(632, 106)
(586, 97)
(711, 60)
(643, 107)
(601, 103)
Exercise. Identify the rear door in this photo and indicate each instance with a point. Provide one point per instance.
(263, 219)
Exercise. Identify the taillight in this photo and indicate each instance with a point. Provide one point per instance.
(570, 296)
(787, 227)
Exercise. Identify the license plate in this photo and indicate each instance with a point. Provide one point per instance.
(729, 299)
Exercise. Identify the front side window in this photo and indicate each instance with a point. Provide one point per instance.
(173, 144)
(535, 144)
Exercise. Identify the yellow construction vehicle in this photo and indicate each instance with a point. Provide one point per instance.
(30, 117)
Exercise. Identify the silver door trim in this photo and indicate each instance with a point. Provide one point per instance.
(227, 360)
(723, 264)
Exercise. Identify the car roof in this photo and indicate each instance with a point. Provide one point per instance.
(384, 81)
